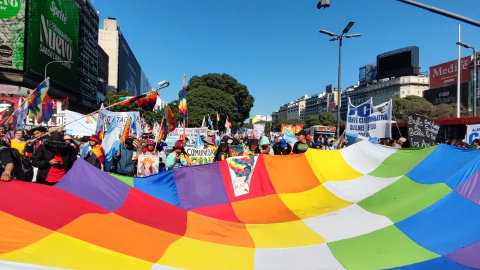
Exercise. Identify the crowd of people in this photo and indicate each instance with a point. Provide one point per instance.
(46, 156)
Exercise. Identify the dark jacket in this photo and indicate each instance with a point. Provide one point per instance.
(125, 164)
(278, 150)
(297, 151)
(46, 152)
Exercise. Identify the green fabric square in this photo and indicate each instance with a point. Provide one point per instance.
(402, 161)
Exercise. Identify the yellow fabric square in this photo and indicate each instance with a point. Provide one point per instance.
(315, 202)
(329, 165)
(59, 250)
(190, 253)
(283, 235)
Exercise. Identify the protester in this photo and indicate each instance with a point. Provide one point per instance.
(330, 146)
(6, 161)
(125, 158)
(38, 135)
(18, 143)
(54, 157)
(318, 145)
(475, 144)
(265, 146)
(223, 152)
(95, 154)
(176, 158)
(302, 145)
(400, 142)
(252, 148)
(282, 148)
(150, 150)
(71, 141)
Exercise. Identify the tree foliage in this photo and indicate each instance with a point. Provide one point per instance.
(218, 93)
(327, 119)
(421, 106)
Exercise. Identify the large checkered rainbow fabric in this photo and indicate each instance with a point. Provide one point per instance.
(362, 207)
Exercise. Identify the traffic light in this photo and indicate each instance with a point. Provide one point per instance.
(323, 3)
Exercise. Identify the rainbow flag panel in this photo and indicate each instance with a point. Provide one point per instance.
(362, 207)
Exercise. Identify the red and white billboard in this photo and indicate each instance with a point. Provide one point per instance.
(446, 73)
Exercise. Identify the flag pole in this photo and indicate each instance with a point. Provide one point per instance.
(166, 84)
(159, 135)
(25, 100)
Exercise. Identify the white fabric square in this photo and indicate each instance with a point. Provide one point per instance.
(346, 223)
(365, 156)
(308, 257)
(360, 188)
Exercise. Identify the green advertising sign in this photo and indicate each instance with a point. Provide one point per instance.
(12, 33)
(53, 36)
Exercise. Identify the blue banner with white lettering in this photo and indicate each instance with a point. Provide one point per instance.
(370, 121)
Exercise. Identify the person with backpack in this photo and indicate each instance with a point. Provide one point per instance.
(54, 158)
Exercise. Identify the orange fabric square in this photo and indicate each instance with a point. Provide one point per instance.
(263, 210)
(17, 233)
(217, 231)
(290, 174)
(119, 234)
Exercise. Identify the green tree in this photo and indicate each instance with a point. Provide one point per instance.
(312, 120)
(218, 93)
(411, 104)
(327, 119)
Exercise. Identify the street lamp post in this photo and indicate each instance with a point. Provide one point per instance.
(475, 93)
(340, 38)
(45, 72)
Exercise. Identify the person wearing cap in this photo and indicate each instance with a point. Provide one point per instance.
(150, 150)
(302, 145)
(53, 158)
(282, 148)
(38, 138)
(252, 148)
(71, 141)
(265, 146)
(95, 155)
(176, 158)
(317, 145)
(125, 158)
(223, 152)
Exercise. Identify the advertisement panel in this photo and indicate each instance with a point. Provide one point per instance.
(53, 36)
(7, 90)
(129, 71)
(446, 73)
(12, 34)
(447, 94)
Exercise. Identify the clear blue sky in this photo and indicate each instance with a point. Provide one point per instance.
(274, 47)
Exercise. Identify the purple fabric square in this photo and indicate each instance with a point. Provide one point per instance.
(200, 186)
(93, 185)
(467, 256)
(470, 189)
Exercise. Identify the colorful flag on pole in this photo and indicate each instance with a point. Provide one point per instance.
(218, 117)
(126, 131)
(227, 122)
(20, 115)
(145, 101)
(203, 122)
(210, 123)
(40, 106)
(182, 106)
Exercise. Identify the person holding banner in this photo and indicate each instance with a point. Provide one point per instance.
(223, 152)
(176, 159)
(150, 150)
(302, 145)
(252, 148)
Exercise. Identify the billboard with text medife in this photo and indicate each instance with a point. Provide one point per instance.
(53, 36)
(12, 34)
(446, 73)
